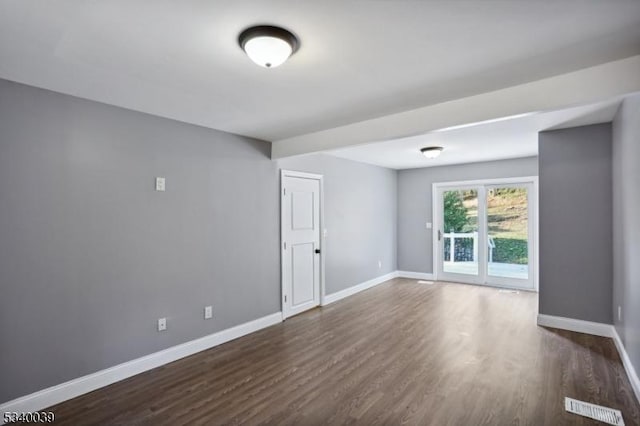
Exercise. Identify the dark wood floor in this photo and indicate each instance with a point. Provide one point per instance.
(400, 353)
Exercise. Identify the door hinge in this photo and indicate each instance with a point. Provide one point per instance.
(284, 191)
(285, 245)
(439, 235)
(285, 298)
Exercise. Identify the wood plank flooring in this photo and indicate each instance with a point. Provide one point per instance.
(399, 353)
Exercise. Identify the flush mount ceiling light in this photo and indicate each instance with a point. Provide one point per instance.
(431, 151)
(268, 46)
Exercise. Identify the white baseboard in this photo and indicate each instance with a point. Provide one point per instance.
(416, 275)
(334, 297)
(76, 387)
(597, 329)
(626, 362)
(579, 326)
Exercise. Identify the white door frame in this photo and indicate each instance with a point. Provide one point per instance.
(533, 200)
(321, 290)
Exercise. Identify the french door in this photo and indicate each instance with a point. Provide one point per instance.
(485, 232)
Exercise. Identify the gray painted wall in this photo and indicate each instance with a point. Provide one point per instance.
(414, 203)
(91, 256)
(360, 217)
(576, 223)
(626, 227)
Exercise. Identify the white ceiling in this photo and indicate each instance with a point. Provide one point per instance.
(510, 137)
(358, 59)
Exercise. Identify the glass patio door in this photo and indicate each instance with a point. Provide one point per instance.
(460, 233)
(509, 235)
(484, 234)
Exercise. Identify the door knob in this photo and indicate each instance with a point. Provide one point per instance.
(317, 251)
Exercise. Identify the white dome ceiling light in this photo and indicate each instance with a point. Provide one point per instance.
(431, 151)
(268, 46)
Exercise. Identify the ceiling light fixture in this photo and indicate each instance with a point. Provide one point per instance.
(431, 151)
(268, 46)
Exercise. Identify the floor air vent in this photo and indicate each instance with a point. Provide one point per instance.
(425, 282)
(504, 290)
(597, 412)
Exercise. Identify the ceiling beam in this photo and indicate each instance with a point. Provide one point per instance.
(585, 86)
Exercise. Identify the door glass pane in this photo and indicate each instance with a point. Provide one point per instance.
(460, 231)
(508, 232)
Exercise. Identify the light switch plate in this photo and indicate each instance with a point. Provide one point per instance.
(160, 185)
(429, 225)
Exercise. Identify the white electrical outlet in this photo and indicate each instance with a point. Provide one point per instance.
(379, 264)
(208, 312)
(429, 225)
(619, 313)
(162, 324)
(160, 184)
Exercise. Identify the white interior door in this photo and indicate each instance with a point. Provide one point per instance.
(301, 251)
(485, 232)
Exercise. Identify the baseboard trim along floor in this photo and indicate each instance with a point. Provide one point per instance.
(579, 326)
(597, 329)
(626, 362)
(416, 275)
(76, 387)
(334, 297)
(81, 385)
